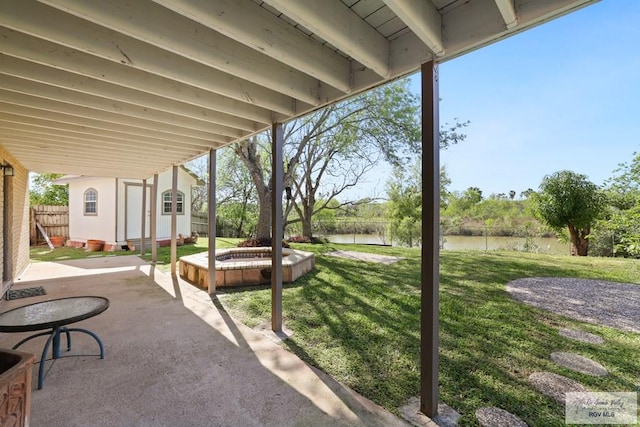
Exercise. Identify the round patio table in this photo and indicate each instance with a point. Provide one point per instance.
(54, 315)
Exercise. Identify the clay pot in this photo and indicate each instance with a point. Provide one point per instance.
(57, 241)
(15, 383)
(94, 245)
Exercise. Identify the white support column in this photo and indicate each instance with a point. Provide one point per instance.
(154, 219)
(211, 209)
(276, 226)
(174, 223)
(430, 233)
(143, 220)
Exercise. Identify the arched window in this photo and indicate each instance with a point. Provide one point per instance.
(166, 203)
(90, 202)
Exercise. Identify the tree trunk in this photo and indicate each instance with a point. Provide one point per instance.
(263, 229)
(306, 228)
(579, 241)
(247, 150)
(307, 209)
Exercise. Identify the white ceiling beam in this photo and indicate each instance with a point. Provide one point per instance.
(160, 27)
(19, 140)
(109, 139)
(25, 100)
(539, 11)
(104, 104)
(36, 163)
(255, 27)
(121, 169)
(508, 12)
(48, 54)
(22, 114)
(406, 55)
(53, 25)
(60, 148)
(334, 22)
(473, 24)
(55, 150)
(74, 149)
(423, 19)
(87, 85)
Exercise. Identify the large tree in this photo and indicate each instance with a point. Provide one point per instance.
(331, 149)
(199, 193)
(568, 199)
(255, 155)
(42, 191)
(624, 186)
(235, 195)
(622, 224)
(404, 190)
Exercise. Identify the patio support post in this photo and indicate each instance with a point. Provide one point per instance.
(429, 344)
(143, 220)
(174, 224)
(154, 219)
(211, 209)
(277, 226)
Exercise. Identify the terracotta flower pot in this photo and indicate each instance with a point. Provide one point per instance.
(57, 241)
(94, 245)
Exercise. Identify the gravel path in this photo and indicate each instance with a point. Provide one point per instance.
(616, 305)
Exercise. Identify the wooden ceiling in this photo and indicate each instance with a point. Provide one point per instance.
(128, 88)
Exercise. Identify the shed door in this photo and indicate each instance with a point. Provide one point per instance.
(133, 195)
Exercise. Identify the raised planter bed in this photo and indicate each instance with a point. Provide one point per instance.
(244, 266)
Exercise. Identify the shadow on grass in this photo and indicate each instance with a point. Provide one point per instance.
(360, 323)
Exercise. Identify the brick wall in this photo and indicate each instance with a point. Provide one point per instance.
(15, 224)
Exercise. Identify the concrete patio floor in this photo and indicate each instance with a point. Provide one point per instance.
(173, 358)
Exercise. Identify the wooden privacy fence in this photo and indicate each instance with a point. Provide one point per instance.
(200, 223)
(54, 220)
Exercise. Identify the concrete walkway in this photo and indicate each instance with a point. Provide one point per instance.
(174, 358)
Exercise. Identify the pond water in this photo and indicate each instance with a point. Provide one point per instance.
(549, 245)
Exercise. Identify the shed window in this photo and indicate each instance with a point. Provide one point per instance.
(166, 203)
(91, 202)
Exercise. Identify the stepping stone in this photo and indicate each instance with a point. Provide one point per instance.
(579, 363)
(496, 417)
(581, 336)
(555, 386)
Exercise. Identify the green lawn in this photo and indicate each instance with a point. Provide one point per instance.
(164, 254)
(43, 253)
(360, 323)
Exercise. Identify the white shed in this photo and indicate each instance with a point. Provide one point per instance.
(110, 209)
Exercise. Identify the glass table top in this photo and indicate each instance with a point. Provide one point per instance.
(52, 313)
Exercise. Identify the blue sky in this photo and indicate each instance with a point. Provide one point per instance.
(564, 95)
